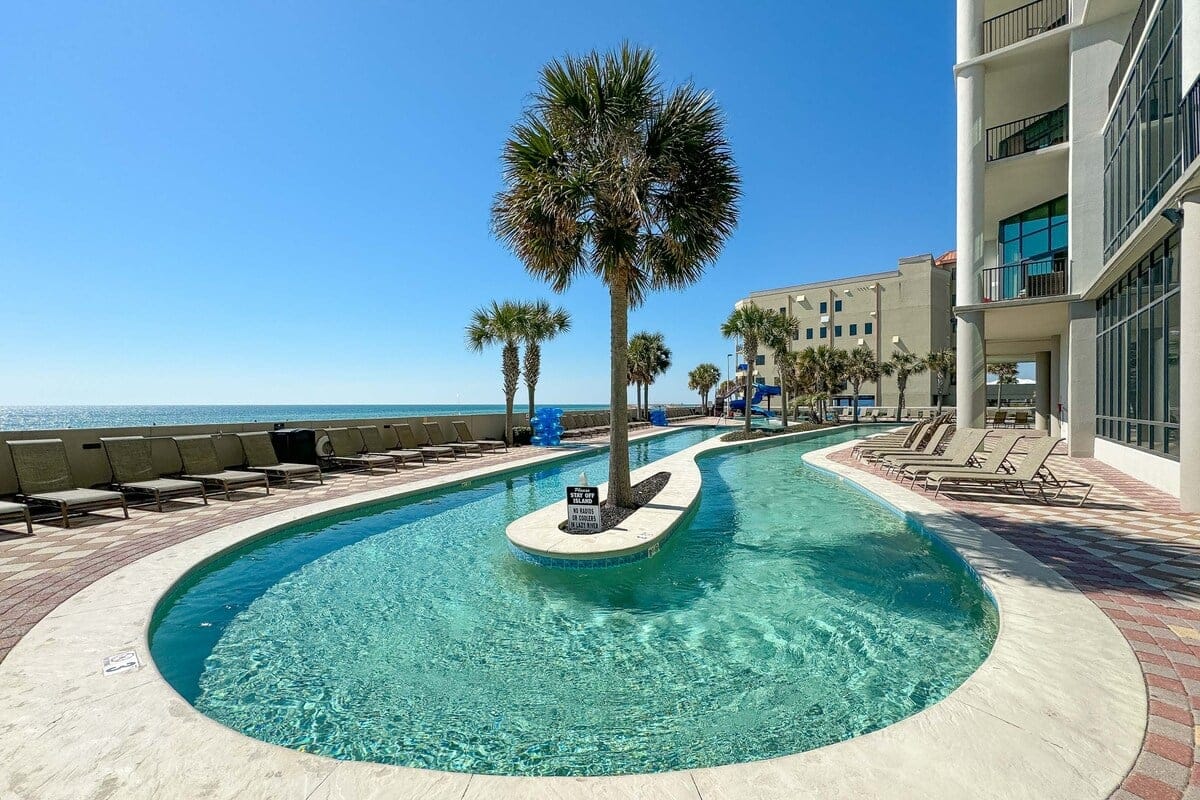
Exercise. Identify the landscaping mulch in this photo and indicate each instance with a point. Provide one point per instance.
(643, 492)
(766, 433)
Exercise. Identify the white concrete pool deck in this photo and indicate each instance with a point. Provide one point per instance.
(1058, 709)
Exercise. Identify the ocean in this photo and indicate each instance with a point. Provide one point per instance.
(32, 418)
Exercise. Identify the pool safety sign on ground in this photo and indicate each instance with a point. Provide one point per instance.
(583, 509)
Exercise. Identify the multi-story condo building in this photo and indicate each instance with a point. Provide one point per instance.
(1078, 221)
(907, 309)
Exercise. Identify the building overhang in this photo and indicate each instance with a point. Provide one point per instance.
(1033, 47)
(1037, 318)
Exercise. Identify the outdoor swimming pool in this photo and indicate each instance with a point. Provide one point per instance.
(789, 613)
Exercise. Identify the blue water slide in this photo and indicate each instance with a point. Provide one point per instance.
(760, 391)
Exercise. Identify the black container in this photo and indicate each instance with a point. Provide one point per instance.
(295, 445)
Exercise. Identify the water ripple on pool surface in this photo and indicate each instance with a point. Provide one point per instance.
(790, 613)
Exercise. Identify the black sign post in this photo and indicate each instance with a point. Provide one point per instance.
(583, 509)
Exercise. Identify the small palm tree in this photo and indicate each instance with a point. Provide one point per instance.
(781, 330)
(830, 366)
(902, 364)
(940, 364)
(861, 367)
(1005, 372)
(658, 362)
(702, 379)
(503, 324)
(641, 346)
(750, 324)
(609, 173)
(542, 323)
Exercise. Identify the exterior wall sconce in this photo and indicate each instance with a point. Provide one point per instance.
(874, 313)
(862, 342)
(1173, 215)
(895, 340)
(799, 298)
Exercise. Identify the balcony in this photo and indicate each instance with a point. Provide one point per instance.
(1027, 135)
(1022, 23)
(1042, 277)
(1131, 41)
(1189, 117)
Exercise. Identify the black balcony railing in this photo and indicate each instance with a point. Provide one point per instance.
(1189, 118)
(1021, 23)
(1027, 135)
(1131, 41)
(1042, 277)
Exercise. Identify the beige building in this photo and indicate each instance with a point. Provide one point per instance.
(908, 309)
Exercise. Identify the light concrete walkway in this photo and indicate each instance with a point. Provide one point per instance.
(1057, 710)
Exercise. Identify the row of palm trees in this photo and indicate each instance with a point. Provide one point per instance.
(649, 357)
(510, 323)
(817, 373)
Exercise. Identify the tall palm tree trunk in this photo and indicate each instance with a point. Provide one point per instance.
(619, 491)
(511, 362)
(750, 357)
(900, 387)
(533, 370)
(783, 395)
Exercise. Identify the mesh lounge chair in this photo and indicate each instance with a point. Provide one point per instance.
(960, 452)
(434, 431)
(44, 476)
(133, 471)
(373, 440)
(408, 440)
(349, 450)
(1000, 419)
(1031, 476)
(260, 457)
(463, 432)
(200, 463)
(1020, 419)
(904, 438)
(11, 511)
(927, 446)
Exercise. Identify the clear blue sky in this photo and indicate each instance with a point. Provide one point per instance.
(288, 203)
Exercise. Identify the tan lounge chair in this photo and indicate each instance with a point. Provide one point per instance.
(904, 438)
(927, 447)
(373, 441)
(44, 476)
(463, 432)
(10, 511)
(434, 431)
(133, 471)
(1020, 419)
(408, 440)
(1031, 476)
(349, 450)
(960, 452)
(201, 463)
(260, 457)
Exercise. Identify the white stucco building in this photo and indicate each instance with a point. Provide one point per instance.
(1078, 222)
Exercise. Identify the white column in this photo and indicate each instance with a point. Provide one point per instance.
(969, 29)
(1041, 392)
(971, 369)
(1189, 354)
(1081, 379)
(1055, 385)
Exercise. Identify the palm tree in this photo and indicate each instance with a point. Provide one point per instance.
(781, 330)
(702, 379)
(902, 364)
(861, 367)
(542, 323)
(503, 324)
(940, 364)
(658, 361)
(829, 364)
(1005, 372)
(749, 323)
(649, 357)
(610, 173)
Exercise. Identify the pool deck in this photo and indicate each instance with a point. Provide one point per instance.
(1059, 708)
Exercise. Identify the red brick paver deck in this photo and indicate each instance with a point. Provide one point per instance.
(1137, 557)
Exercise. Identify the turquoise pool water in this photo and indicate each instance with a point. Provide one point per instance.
(790, 613)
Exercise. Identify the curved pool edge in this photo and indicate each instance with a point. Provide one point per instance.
(536, 537)
(1057, 709)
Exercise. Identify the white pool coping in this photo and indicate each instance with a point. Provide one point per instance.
(1058, 708)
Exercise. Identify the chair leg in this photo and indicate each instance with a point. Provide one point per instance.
(158, 501)
(267, 485)
(225, 486)
(65, 519)
(320, 476)
(204, 494)
(28, 521)
(124, 506)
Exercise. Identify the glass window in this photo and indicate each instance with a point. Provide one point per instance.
(783, 311)
(837, 305)
(1137, 355)
(824, 307)
(823, 332)
(853, 329)
(808, 333)
(867, 327)
(837, 331)
(759, 360)
(1036, 233)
